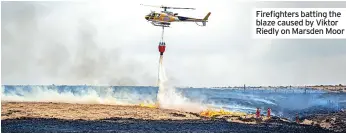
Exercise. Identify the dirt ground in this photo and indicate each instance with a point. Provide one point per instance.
(63, 117)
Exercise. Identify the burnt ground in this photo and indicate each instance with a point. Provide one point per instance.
(60, 117)
(333, 121)
(140, 125)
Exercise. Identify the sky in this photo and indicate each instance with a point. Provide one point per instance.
(111, 43)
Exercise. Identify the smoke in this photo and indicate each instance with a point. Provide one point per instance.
(79, 94)
(46, 94)
(55, 43)
(168, 98)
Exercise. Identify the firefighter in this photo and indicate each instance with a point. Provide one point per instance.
(297, 118)
(258, 113)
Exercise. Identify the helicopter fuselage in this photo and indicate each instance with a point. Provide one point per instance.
(165, 18)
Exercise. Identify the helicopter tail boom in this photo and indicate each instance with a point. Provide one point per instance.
(204, 20)
(185, 19)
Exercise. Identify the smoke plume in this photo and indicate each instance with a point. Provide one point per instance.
(52, 43)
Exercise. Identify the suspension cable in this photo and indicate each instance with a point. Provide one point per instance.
(163, 29)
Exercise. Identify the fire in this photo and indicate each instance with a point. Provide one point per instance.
(149, 105)
(211, 113)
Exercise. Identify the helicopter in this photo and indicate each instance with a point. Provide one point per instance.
(164, 18)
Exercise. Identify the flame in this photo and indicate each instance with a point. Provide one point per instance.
(149, 105)
(211, 113)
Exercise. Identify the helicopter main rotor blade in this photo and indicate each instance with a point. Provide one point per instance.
(168, 7)
(152, 6)
(180, 8)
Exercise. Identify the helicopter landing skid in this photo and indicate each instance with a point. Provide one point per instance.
(161, 24)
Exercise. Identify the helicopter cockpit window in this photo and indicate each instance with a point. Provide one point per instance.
(158, 15)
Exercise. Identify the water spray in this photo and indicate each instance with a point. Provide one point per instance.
(162, 48)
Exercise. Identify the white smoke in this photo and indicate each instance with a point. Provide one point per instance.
(71, 43)
(89, 95)
(168, 98)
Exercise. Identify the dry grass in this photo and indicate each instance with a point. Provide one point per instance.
(331, 88)
(67, 111)
(165, 120)
(11, 110)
